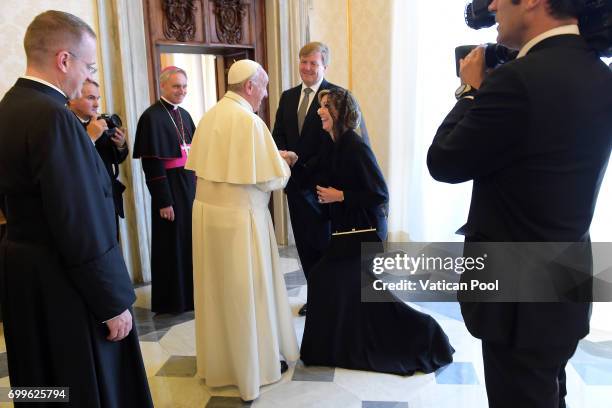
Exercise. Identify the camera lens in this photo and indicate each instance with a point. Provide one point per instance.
(115, 120)
(477, 14)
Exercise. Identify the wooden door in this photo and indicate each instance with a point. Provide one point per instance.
(229, 29)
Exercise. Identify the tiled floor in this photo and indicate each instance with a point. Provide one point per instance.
(168, 347)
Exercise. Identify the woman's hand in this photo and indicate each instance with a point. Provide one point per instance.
(329, 195)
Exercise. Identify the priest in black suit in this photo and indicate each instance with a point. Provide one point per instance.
(535, 137)
(163, 139)
(298, 128)
(110, 144)
(66, 293)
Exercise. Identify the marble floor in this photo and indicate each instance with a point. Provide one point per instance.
(168, 347)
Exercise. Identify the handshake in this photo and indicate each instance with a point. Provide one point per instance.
(289, 157)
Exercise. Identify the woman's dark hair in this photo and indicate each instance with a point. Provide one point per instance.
(347, 108)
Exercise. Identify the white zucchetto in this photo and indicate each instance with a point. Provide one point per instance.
(242, 70)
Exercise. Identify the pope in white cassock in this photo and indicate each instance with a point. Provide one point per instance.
(243, 319)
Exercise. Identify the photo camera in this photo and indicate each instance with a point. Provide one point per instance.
(113, 121)
(595, 23)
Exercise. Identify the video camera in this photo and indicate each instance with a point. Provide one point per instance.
(113, 121)
(595, 24)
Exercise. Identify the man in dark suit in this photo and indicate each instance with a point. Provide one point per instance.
(111, 145)
(298, 128)
(535, 136)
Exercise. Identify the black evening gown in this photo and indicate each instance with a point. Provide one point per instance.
(341, 330)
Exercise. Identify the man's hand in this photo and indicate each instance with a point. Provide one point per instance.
(119, 327)
(329, 195)
(472, 68)
(167, 213)
(289, 157)
(119, 138)
(96, 128)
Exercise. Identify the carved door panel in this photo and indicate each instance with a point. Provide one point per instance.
(180, 19)
(229, 29)
(230, 22)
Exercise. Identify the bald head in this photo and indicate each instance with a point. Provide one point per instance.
(52, 31)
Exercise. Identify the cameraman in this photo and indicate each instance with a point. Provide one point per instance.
(111, 145)
(535, 137)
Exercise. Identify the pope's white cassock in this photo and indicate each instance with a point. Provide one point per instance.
(243, 319)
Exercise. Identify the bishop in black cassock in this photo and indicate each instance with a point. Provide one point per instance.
(163, 137)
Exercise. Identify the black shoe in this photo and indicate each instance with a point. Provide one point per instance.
(303, 310)
(284, 366)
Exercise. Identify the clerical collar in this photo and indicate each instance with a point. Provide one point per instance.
(42, 81)
(169, 103)
(566, 29)
(238, 98)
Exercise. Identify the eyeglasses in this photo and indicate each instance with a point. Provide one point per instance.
(90, 67)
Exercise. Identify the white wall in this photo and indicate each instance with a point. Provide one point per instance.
(16, 16)
(358, 33)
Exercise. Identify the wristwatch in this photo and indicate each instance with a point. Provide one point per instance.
(465, 90)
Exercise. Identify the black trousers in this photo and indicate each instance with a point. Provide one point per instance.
(525, 378)
(311, 229)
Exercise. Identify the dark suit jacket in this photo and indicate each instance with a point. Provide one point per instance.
(111, 157)
(307, 145)
(536, 141)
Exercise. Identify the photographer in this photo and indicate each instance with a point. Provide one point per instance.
(535, 136)
(110, 144)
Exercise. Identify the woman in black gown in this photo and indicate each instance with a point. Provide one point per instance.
(341, 330)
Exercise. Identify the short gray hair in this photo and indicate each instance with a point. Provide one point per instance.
(167, 72)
